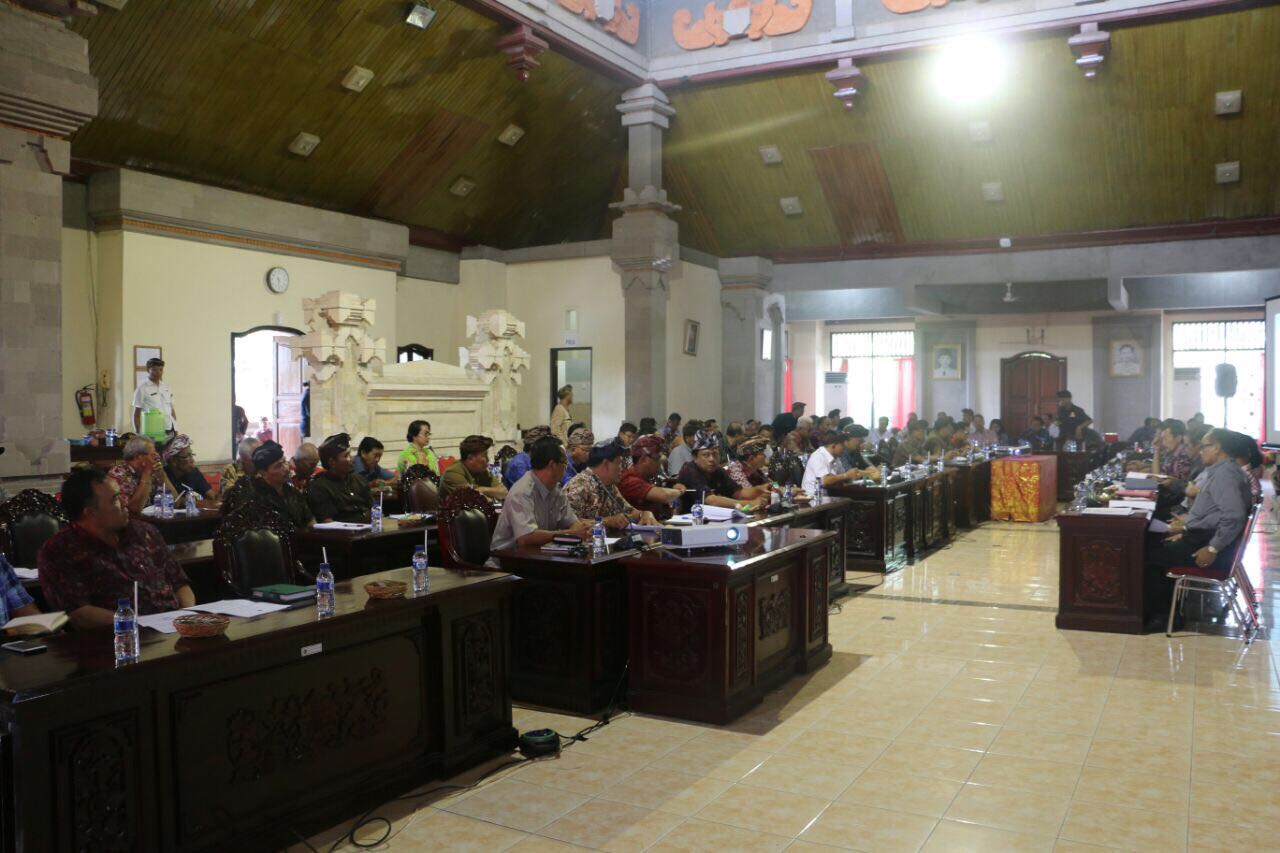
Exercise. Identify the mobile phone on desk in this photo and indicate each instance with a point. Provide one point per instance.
(24, 647)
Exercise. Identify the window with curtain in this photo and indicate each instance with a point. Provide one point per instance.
(1239, 343)
(880, 368)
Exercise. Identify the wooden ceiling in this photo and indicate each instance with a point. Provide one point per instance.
(214, 90)
(1134, 147)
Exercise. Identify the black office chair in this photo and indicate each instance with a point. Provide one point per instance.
(253, 548)
(465, 527)
(27, 520)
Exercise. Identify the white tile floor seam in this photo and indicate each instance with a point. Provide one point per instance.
(943, 726)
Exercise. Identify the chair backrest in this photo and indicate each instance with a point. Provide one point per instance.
(465, 526)
(252, 548)
(27, 520)
(420, 488)
(1242, 544)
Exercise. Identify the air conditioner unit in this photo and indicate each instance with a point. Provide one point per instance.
(1186, 391)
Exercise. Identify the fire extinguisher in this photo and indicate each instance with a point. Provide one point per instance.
(84, 399)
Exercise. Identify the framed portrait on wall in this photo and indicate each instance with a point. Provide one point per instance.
(691, 328)
(946, 362)
(1126, 357)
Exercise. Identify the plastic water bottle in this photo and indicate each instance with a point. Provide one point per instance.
(375, 517)
(884, 475)
(818, 491)
(788, 496)
(775, 497)
(157, 502)
(598, 545)
(325, 604)
(166, 498)
(126, 625)
(420, 580)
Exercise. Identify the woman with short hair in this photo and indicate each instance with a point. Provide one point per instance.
(419, 451)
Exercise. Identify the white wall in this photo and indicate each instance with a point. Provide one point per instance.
(694, 387)
(807, 364)
(188, 298)
(428, 313)
(539, 293)
(1066, 335)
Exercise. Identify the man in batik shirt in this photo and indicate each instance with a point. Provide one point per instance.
(748, 471)
(594, 493)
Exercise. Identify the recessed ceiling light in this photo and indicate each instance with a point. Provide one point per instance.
(511, 135)
(357, 78)
(970, 69)
(462, 187)
(420, 15)
(993, 191)
(304, 143)
(980, 131)
(1227, 173)
(770, 155)
(1228, 103)
(791, 206)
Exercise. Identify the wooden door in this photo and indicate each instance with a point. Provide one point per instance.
(1029, 386)
(288, 399)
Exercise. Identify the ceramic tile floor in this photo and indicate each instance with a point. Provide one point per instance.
(969, 725)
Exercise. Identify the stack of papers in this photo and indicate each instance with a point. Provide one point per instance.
(342, 525)
(163, 622)
(1107, 510)
(1148, 505)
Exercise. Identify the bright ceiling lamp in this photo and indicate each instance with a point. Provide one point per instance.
(970, 69)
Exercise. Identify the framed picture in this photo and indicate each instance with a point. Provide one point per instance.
(1126, 357)
(947, 362)
(691, 337)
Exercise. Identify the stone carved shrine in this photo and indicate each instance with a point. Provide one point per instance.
(353, 390)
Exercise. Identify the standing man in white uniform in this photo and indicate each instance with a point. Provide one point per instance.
(154, 394)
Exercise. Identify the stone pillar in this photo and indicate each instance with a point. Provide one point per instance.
(46, 93)
(646, 248)
(747, 378)
(775, 308)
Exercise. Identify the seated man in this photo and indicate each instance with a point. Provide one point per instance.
(472, 470)
(580, 441)
(87, 567)
(15, 601)
(749, 472)
(627, 434)
(305, 461)
(1037, 436)
(1203, 537)
(820, 470)
(704, 480)
(1146, 433)
(594, 492)
(681, 452)
(140, 475)
(242, 466)
(521, 463)
(339, 493)
(857, 456)
(636, 484)
(536, 508)
(270, 487)
(366, 464)
(913, 447)
(1175, 456)
(180, 467)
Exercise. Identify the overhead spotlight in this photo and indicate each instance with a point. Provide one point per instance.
(970, 69)
(420, 15)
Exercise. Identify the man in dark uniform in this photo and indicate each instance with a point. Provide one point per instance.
(270, 487)
(339, 494)
(913, 447)
(857, 455)
(1071, 419)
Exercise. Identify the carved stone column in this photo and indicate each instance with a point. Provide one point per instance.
(46, 93)
(747, 381)
(646, 247)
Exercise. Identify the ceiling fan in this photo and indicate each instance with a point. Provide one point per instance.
(1008, 293)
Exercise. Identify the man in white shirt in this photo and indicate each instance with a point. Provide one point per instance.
(879, 434)
(154, 394)
(821, 467)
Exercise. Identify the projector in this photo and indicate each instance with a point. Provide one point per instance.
(701, 536)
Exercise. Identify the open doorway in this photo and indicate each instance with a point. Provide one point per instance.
(267, 384)
(572, 366)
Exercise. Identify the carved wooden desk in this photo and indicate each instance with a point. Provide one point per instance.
(972, 492)
(712, 634)
(1100, 572)
(364, 552)
(1072, 468)
(287, 722)
(829, 513)
(889, 526)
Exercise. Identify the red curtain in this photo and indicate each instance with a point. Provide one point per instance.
(788, 394)
(906, 391)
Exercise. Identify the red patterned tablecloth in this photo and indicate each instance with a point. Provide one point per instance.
(1024, 488)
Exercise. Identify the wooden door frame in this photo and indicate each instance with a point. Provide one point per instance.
(555, 385)
(1025, 354)
(234, 336)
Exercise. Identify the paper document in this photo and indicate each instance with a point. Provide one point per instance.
(27, 574)
(152, 510)
(1106, 510)
(401, 516)
(162, 622)
(241, 607)
(1144, 475)
(1136, 503)
(342, 525)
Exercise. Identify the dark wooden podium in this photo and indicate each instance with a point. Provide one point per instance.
(1100, 572)
(712, 634)
(972, 491)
